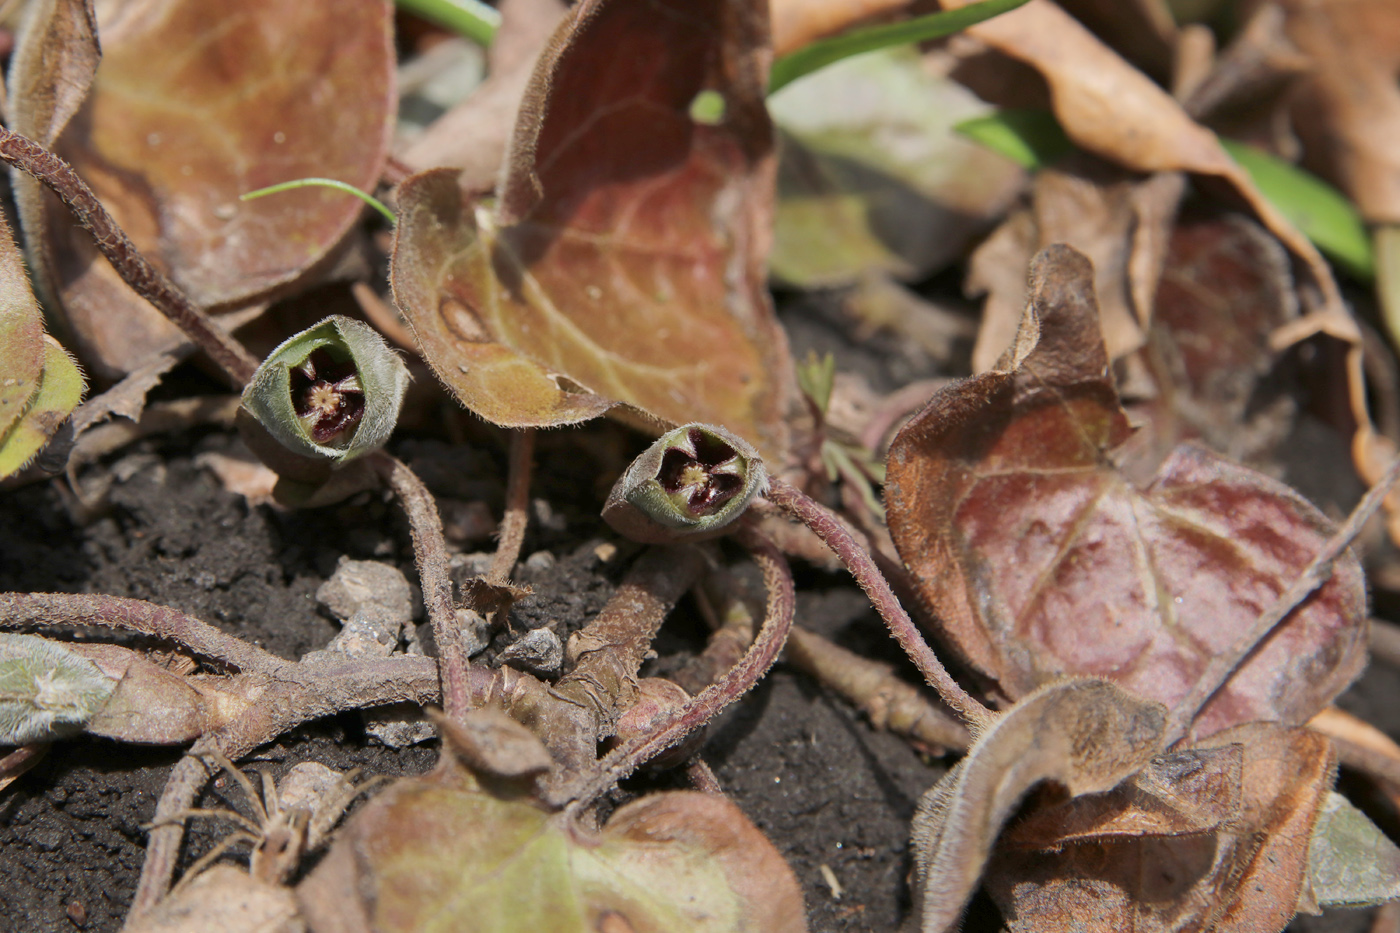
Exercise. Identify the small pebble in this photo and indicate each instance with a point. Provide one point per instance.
(538, 650)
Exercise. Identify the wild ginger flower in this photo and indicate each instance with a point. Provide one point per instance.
(691, 483)
(333, 391)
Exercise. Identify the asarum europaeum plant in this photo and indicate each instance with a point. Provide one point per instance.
(691, 483)
(333, 391)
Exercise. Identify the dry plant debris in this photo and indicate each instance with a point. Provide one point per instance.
(1081, 509)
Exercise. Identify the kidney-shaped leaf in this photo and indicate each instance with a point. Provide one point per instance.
(191, 106)
(432, 854)
(624, 258)
(1040, 558)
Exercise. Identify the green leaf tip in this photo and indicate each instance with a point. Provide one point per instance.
(332, 391)
(691, 483)
(46, 691)
(859, 41)
(1351, 863)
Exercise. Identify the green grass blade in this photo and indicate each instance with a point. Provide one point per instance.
(1030, 138)
(858, 41)
(1322, 212)
(369, 199)
(470, 18)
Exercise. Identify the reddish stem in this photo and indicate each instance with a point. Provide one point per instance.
(830, 529)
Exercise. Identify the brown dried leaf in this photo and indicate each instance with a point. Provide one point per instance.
(189, 109)
(223, 899)
(1246, 876)
(624, 261)
(1039, 558)
(1115, 111)
(1084, 735)
(1346, 107)
(1177, 794)
(1120, 221)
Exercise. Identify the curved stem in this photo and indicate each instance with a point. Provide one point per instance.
(829, 528)
(624, 759)
(145, 279)
(430, 554)
(136, 615)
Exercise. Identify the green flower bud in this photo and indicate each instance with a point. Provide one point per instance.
(691, 483)
(46, 691)
(333, 391)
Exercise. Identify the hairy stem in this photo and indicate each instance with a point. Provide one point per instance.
(145, 279)
(430, 555)
(624, 759)
(607, 653)
(517, 513)
(829, 528)
(302, 693)
(135, 615)
(1224, 665)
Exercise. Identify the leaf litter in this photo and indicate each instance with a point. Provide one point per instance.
(1144, 626)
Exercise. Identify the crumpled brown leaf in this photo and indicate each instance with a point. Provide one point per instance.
(1039, 558)
(1245, 875)
(624, 258)
(1121, 221)
(190, 108)
(223, 899)
(1084, 735)
(1346, 106)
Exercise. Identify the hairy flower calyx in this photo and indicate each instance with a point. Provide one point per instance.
(693, 481)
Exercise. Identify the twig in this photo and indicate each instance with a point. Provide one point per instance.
(1223, 666)
(145, 279)
(624, 759)
(135, 615)
(430, 554)
(702, 778)
(517, 513)
(874, 687)
(862, 567)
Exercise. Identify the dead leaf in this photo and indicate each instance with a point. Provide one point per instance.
(1225, 289)
(1351, 862)
(1039, 558)
(1346, 106)
(1179, 793)
(1084, 735)
(189, 109)
(473, 135)
(1122, 222)
(871, 177)
(624, 259)
(435, 847)
(1245, 877)
(223, 899)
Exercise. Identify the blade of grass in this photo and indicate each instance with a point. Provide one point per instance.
(369, 199)
(858, 41)
(1034, 139)
(470, 18)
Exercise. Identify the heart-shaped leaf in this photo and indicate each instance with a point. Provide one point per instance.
(623, 261)
(1039, 558)
(436, 853)
(190, 107)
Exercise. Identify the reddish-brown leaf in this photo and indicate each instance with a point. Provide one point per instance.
(624, 259)
(1245, 875)
(1039, 558)
(190, 107)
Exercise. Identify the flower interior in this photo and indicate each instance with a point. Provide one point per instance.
(328, 398)
(702, 474)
